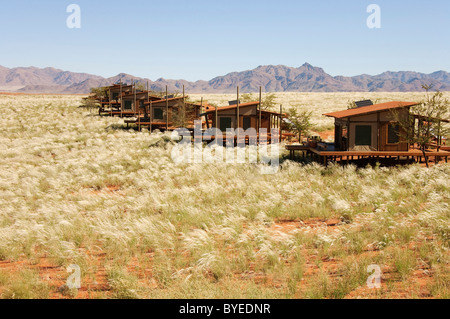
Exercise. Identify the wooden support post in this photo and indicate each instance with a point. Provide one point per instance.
(348, 135)
(167, 109)
(135, 100)
(216, 118)
(237, 116)
(110, 103)
(139, 120)
(439, 136)
(259, 115)
(281, 122)
(146, 110)
(121, 101)
(150, 117)
(184, 107)
(378, 131)
(202, 111)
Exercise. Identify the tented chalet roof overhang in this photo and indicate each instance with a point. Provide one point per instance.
(140, 94)
(212, 109)
(370, 109)
(163, 100)
(179, 98)
(118, 86)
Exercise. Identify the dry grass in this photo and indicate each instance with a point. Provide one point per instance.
(79, 189)
(320, 103)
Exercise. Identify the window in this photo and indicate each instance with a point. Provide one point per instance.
(225, 122)
(158, 114)
(128, 105)
(246, 123)
(363, 135)
(393, 136)
(115, 96)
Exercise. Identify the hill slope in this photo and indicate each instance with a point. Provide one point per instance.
(280, 78)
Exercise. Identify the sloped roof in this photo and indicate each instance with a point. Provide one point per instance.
(205, 105)
(117, 86)
(370, 109)
(130, 95)
(163, 100)
(212, 109)
(230, 107)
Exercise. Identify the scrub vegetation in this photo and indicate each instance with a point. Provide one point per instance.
(79, 189)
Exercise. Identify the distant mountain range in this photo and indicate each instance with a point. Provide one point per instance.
(280, 78)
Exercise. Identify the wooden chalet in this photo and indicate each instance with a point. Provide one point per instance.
(113, 105)
(167, 113)
(369, 132)
(245, 116)
(134, 103)
(370, 127)
(117, 90)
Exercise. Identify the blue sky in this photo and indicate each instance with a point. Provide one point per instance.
(200, 39)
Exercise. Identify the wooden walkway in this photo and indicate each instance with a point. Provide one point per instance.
(326, 156)
(153, 125)
(118, 113)
(265, 139)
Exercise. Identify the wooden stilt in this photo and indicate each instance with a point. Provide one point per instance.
(121, 101)
(167, 108)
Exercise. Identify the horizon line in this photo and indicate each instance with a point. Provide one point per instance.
(193, 81)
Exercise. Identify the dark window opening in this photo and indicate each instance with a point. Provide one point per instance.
(225, 122)
(363, 135)
(158, 114)
(246, 123)
(128, 105)
(393, 134)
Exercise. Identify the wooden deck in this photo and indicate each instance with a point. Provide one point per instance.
(118, 113)
(325, 156)
(155, 125)
(380, 153)
(247, 140)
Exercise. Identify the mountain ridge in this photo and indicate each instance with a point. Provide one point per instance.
(273, 78)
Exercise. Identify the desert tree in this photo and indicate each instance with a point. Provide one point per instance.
(89, 103)
(141, 86)
(99, 92)
(96, 94)
(184, 114)
(267, 103)
(298, 122)
(432, 114)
